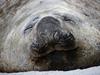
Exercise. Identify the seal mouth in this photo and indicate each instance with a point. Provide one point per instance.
(65, 42)
(36, 54)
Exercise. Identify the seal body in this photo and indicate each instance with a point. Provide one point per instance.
(51, 35)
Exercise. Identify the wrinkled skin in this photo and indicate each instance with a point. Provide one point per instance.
(50, 35)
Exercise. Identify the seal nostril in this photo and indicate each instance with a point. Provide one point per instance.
(67, 41)
(35, 47)
(68, 36)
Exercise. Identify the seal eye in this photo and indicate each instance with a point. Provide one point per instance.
(68, 20)
(30, 25)
(65, 18)
(28, 28)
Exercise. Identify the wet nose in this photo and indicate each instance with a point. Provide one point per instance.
(46, 29)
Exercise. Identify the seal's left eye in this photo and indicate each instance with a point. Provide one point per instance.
(68, 19)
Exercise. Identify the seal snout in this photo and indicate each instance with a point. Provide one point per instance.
(50, 36)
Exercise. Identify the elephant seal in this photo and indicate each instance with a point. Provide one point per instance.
(51, 35)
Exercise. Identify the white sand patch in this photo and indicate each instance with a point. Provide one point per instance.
(89, 71)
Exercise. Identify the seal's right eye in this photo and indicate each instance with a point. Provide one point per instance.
(30, 25)
(28, 28)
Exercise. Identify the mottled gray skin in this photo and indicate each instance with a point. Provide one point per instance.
(49, 35)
